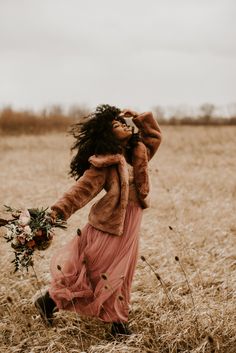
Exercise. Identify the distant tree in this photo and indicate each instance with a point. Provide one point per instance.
(77, 112)
(180, 112)
(231, 109)
(43, 113)
(56, 110)
(159, 113)
(207, 110)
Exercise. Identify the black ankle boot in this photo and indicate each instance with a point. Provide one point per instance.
(120, 328)
(46, 306)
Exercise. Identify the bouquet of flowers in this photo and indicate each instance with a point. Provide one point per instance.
(27, 231)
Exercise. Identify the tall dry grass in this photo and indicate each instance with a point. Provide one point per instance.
(185, 300)
(198, 121)
(13, 122)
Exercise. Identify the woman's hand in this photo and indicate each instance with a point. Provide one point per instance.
(53, 216)
(128, 113)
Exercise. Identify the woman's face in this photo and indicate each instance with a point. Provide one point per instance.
(121, 131)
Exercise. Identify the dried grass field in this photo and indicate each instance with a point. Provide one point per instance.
(188, 236)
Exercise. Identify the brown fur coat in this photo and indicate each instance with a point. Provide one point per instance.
(110, 172)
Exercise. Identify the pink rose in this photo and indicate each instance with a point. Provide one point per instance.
(21, 239)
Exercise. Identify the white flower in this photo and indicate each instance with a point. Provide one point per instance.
(28, 233)
(21, 238)
(11, 230)
(24, 218)
(9, 234)
(15, 242)
(27, 230)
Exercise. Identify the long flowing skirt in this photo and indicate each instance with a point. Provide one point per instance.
(92, 274)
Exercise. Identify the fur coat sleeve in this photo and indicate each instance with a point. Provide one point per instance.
(83, 191)
(150, 132)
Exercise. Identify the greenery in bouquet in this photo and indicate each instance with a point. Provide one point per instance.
(27, 231)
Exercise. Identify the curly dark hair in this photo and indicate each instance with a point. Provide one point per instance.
(95, 136)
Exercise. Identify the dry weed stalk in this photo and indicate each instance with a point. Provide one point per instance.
(190, 291)
(158, 277)
(73, 304)
(107, 286)
(175, 230)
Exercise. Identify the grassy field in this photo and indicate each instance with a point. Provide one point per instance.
(188, 236)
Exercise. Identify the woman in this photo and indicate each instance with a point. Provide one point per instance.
(93, 273)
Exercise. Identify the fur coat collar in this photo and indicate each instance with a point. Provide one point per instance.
(140, 165)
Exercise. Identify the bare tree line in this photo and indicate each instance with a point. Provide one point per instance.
(56, 119)
(205, 114)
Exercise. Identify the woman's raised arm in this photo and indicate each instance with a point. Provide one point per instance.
(150, 132)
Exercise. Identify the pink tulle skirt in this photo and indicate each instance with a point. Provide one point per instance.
(92, 274)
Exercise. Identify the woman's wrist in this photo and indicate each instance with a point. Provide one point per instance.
(56, 214)
(129, 113)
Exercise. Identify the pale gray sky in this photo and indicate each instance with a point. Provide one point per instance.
(132, 53)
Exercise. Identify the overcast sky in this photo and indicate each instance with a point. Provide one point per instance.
(131, 53)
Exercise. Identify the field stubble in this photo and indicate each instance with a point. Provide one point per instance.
(188, 237)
